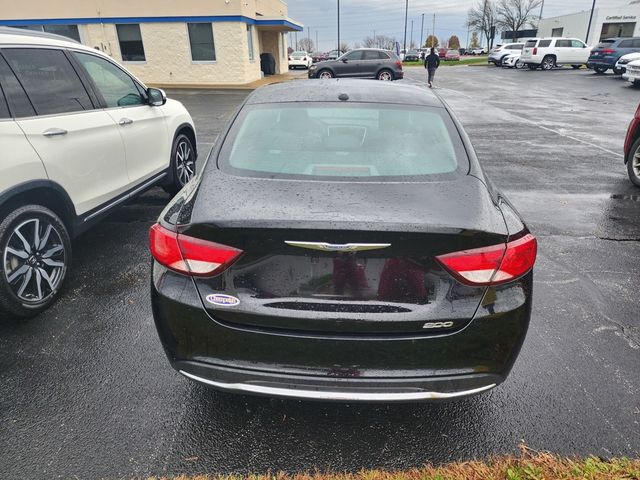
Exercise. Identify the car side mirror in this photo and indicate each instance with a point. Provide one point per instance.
(156, 96)
(344, 60)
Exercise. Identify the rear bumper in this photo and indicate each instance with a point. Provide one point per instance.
(385, 390)
(602, 63)
(398, 74)
(350, 368)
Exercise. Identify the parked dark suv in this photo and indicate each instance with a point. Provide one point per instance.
(605, 55)
(363, 63)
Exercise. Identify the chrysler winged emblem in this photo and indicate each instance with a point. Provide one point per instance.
(335, 247)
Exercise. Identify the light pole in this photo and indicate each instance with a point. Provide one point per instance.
(406, 16)
(338, 26)
(422, 31)
(593, 7)
(411, 41)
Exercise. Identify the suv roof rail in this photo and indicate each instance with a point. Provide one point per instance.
(34, 33)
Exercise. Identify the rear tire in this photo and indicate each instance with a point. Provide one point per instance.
(633, 164)
(35, 249)
(600, 70)
(548, 63)
(385, 75)
(183, 164)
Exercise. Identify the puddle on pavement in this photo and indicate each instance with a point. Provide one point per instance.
(621, 218)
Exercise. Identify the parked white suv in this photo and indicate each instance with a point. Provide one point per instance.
(79, 135)
(548, 53)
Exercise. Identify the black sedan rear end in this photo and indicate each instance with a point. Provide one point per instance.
(342, 243)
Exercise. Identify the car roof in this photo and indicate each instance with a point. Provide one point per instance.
(19, 36)
(358, 90)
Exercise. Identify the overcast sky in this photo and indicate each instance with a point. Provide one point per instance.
(359, 18)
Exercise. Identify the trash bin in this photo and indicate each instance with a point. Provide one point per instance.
(268, 63)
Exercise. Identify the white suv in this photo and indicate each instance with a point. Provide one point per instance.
(79, 135)
(548, 53)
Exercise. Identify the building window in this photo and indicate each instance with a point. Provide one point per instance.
(130, 39)
(70, 31)
(557, 32)
(203, 48)
(250, 41)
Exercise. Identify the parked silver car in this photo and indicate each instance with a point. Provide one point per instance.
(499, 53)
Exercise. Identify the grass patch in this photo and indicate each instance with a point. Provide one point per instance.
(449, 63)
(529, 465)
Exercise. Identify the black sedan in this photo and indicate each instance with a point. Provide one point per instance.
(343, 243)
(361, 63)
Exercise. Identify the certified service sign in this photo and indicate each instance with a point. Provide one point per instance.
(223, 300)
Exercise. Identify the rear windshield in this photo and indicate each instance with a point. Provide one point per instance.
(530, 43)
(299, 54)
(605, 43)
(366, 142)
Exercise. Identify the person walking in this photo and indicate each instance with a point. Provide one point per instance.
(431, 63)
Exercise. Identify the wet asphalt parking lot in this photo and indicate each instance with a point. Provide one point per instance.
(86, 391)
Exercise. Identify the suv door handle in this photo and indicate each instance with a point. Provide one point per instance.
(54, 132)
(125, 121)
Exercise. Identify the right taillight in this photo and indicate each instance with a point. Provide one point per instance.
(607, 51)
(535, 51)
(399, 64)
(188, 255)
(492, 265)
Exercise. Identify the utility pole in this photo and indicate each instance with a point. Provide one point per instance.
(468, 30)
(338, 26)
(309, 40)
(411, 41)
(593, 7)
(433, 32)
(422, 32)
(296, 41)
(375, 42)
(406, 16)
(317, 44)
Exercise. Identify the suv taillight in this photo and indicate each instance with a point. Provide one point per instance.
(492, 265)
(608, 51)
(188, 255)
(535, 50)
(399, 64)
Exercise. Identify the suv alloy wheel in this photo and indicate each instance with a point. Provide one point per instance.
(183, 163)
(548, 63)
(633, 164)
(36, 252)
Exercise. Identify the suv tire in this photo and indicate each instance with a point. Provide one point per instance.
(633, 164)
(183, 163)
(599, 69)
(548, 63)
(36, 253)
(385, 75)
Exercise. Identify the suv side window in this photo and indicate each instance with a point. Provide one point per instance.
(117, 88)
(48, 78)
(636, 43)
(577, 44)
(544, 43)
(625, 44)
(383, 56)
(4, 108)
(370, 55)
(355, 55)
(15, 96)
(563, 43)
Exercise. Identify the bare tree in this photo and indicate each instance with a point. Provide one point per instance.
(482, 17)
(380, 41)
(306, 44)
(344, 47)
(514, 14)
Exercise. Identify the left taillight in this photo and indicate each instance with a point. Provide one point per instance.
(492, 265)
(188, 255)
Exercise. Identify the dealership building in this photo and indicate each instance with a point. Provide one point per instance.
(168, 42)
(606, 23)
